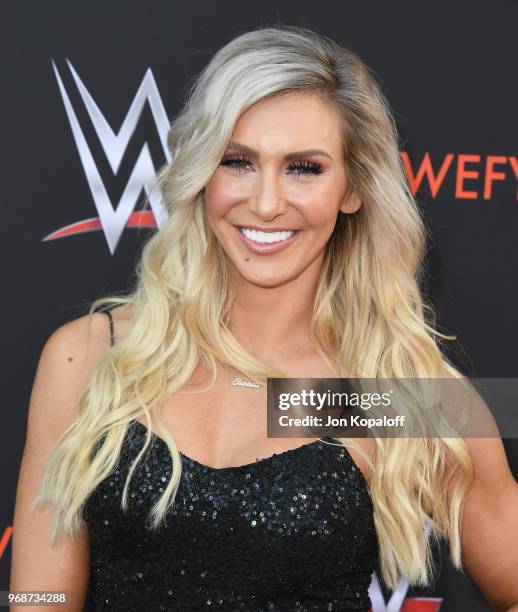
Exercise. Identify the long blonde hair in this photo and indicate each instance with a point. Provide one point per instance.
(368, 314)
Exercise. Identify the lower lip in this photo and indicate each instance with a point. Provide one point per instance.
(270, 247)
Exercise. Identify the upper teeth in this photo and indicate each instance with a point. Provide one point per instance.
(257, 236)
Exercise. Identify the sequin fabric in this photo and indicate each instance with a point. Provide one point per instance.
(294, 531)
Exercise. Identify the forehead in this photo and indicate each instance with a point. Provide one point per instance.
(290, 122)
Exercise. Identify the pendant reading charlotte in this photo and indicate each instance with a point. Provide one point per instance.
(243, 382)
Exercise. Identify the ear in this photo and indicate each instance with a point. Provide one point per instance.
(350, 204)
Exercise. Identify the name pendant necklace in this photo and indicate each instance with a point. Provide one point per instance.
(246, 382)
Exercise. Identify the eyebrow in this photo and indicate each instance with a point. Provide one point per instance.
(288, 157)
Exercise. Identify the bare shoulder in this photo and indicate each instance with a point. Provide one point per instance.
(80, 341)
(66, 363)
(64, 367)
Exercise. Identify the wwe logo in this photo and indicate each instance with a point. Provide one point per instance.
(399, 602)
(113, 219)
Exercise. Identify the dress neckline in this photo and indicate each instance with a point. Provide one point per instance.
(245, 466)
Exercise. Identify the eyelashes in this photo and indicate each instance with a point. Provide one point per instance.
(301, 168)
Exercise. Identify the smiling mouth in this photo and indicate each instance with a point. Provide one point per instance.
(266, 242)
(266, 237)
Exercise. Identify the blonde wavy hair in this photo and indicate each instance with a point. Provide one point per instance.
(369, 316)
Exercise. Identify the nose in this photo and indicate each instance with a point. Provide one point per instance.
(267, 201)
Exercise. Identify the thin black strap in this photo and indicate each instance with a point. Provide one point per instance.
(110, 317)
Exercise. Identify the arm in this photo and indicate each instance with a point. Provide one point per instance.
(63, 369)
(490, 525)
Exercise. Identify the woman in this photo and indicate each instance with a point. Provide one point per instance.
(293, 249)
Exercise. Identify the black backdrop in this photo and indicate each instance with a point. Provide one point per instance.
(449, 70)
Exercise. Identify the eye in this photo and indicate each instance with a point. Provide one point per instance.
(237, 162)
(305, 167)
(300, 168)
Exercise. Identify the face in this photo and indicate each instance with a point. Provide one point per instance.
(274, 199)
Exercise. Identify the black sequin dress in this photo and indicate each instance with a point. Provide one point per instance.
(294, 531)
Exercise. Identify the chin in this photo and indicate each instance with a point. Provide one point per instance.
(261, 279)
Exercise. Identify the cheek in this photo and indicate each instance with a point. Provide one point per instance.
(221, 193)
(320, 204)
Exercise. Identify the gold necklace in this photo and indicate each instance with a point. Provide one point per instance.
(246, 382)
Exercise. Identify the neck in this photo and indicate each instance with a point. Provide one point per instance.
(266, 318)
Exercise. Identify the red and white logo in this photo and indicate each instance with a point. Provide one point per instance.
(112, 219)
